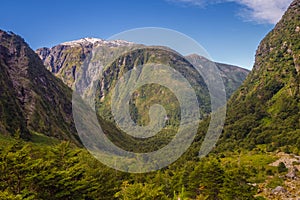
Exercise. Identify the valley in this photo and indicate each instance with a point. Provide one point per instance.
(42, 155)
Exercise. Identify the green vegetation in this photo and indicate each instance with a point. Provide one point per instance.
(282, 168)
(274, 182)
(31, 98)
(150, 94)
(263, 118)
(62, 171)
(265, 110)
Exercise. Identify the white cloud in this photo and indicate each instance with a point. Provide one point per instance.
(264, 11)
(261, 11)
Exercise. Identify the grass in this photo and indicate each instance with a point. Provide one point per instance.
(250, 159)
(6, 140)
(275, 181)
(37, 139)
(40, 139)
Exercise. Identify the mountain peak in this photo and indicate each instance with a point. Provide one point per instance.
(83, 40)
(97, 42)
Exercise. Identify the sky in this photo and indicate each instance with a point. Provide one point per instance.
(229, 30)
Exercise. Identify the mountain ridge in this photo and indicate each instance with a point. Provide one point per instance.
(42, 102)
(96, 41)
(64, 60)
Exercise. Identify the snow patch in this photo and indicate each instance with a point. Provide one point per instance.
(97, 42)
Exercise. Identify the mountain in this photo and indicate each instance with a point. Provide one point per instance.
(150, 94)
(232, 76)
(31, 98)
(262, 113)
(266, 108)
(66, 59)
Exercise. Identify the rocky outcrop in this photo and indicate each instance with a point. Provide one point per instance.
(292, 163)
(278, 190)
(292, 173)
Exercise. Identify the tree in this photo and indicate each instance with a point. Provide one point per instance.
(236, 186)
(61, 175)
(213, 179)
(16, 167)
(140, 191)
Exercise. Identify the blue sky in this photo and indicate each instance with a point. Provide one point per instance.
(230, 30)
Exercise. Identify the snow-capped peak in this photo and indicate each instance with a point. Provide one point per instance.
(97, 41)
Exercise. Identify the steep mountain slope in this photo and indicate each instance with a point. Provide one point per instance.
(151, 93)
(141, 65)
(266, 109)
(65, 59)
(11, 117)
(32, 99)
(232, 76)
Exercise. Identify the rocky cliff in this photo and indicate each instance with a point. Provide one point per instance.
(32, 99)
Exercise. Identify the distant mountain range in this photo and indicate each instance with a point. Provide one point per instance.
(33, 100)
(66, 59)
(264, 110)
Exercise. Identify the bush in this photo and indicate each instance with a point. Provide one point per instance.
(282, 168)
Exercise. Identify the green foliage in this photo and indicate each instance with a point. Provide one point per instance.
(236, 186)
(9, 196)
(263, 116)
(275, 181)
(212, 179)
(140, 191)
(147, 95)
(63, 171)
(265, 110)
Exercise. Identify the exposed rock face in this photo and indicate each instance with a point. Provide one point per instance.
(66, 59)
(32, 99)
(288, 160)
